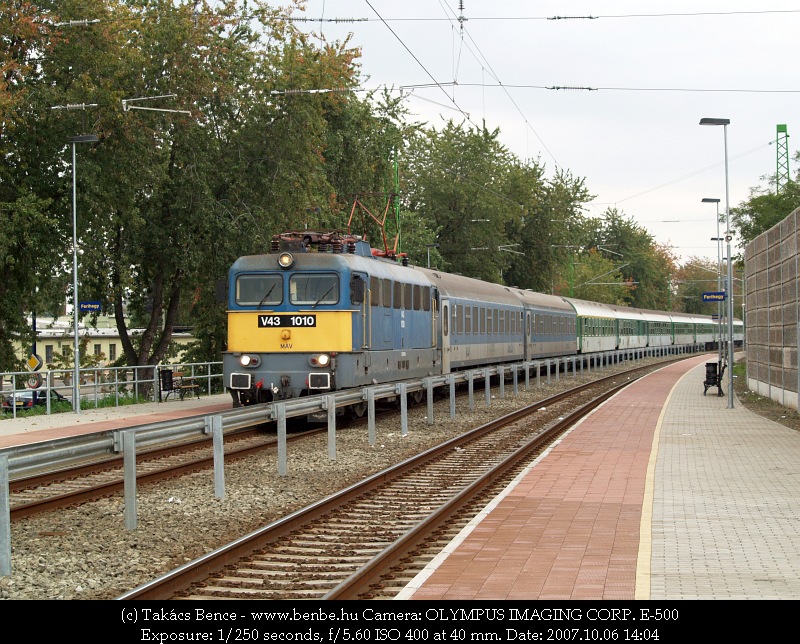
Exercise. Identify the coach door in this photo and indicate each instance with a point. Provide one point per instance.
(445, 326)
(527, 348)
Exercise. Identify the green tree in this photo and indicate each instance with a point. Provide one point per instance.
(553, 233)
(647, 265)
(460, 185)
(599, 279)
(765, 208)
(695, 277)
(32, 236)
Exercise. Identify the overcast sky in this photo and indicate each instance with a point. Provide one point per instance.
(655, 70)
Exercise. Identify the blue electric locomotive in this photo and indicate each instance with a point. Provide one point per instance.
(322, 312)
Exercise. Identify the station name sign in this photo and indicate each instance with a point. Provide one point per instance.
(714, 296)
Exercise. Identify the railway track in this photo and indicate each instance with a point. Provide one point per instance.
(99, 479)
(369, 540)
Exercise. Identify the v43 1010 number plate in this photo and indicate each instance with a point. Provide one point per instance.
(275, 321)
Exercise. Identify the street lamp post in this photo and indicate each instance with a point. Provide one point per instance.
(729, 286)
(76, 398)
(718, 239)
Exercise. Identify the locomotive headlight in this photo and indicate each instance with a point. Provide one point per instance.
(285, 260)
(249, 360)
(321, 360)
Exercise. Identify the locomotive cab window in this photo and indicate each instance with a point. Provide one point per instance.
(314, 288)
(259, 290)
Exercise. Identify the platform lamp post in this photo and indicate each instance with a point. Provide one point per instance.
(718, 239)
(729, 285)
(76, 391)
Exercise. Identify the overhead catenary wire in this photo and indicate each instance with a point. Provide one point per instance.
(419, 62)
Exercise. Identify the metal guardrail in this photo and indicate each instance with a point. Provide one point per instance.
(60, 453)
(21, 460)
(63, 452)
(99, 386)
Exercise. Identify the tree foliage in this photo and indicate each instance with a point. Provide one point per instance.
(220, 124)
(765, 208)
(167, 199)
(695, 277)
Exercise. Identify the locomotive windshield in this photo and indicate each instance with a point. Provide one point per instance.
(314, 288)
(259, 290)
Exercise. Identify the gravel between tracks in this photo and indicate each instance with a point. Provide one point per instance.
(86, 552)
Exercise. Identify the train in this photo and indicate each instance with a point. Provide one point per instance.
(324, 311)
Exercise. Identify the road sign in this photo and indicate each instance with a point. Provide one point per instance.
(35, 381)
(34, 363)
(714, 296)
(92, 307)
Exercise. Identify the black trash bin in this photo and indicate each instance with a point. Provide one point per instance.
(165, 382)
(713, 378)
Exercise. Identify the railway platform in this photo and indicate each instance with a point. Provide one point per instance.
(661, 494)
(44, 427)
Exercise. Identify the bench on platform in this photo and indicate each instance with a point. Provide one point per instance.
(177, 384)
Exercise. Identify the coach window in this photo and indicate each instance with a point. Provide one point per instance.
(259, 290)
(445, 320)
(468, 320)
(314, 288)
